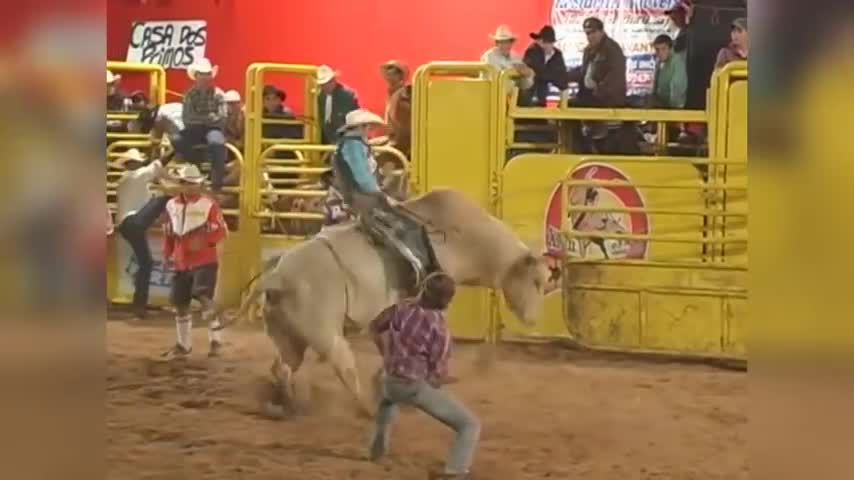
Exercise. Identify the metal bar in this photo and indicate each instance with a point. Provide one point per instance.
(699, 264)
(659, 211)
(290, 192)
(652, 238)
(619, 183)
(621, 114)
(646, 160)
(290, 215)
(305, 170)
(688, 292)
(121, 116)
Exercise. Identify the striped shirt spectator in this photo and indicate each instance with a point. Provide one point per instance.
(204, 106)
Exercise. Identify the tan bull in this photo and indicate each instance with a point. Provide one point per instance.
(342, 275)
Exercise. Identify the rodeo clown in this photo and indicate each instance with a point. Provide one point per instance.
(194, 230)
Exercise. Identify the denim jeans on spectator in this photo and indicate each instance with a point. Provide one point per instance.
(134, 229)
(193, 135)
(438, 404)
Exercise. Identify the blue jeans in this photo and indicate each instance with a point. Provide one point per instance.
(134, 229)
(193, 135)
(438, 404)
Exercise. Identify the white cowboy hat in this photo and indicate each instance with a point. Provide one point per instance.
(502, 33)
(325, 74)
(132, 155)
(231, 96)
(362, 117)
(189, 173)
(112, 78)
(202, 66)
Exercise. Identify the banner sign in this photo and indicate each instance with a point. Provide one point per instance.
(633, 24)
(170, 43)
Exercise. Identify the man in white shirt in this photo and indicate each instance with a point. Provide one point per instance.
(138, 209)
(502, 57)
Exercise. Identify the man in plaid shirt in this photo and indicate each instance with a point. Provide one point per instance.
(204, 115)
(414, 340)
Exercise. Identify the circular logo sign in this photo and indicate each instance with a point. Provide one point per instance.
(590, 222)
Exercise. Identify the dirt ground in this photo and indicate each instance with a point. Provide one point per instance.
(545, 413)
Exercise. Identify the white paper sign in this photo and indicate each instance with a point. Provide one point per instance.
(171, 43)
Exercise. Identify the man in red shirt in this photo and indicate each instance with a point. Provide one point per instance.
(193, 231)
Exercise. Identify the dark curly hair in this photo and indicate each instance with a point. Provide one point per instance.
(437, 292)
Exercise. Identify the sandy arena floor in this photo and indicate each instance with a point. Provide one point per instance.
(546, 414)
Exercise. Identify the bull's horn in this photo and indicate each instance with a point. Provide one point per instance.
(535, 246)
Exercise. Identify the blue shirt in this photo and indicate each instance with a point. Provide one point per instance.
(354, 152)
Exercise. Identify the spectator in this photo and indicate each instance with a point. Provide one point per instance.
(116, 100)
(138, 101)
(671, 77)
(138, 209)
(547, 63)
(204, 114)
(235, 121)
(275, 108)
(195, 229)
(739, 44)
(398, 112)
(681, 15)
(334, 102)
(160, 121)
(501, 56)
(602, 74)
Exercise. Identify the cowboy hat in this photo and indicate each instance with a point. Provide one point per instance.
(502, 34)
(203, 66)
(325, 74)
(231, 96)
(131, 155)
(394, 65)
(189, 173)
(360, 117)
(112, 78)
(681, 5)
(546, 34)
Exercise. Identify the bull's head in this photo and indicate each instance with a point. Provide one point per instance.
(524, 287)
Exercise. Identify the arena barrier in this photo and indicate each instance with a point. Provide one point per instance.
(454, 144)
(675, 279)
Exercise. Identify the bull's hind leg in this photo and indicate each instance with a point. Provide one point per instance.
(344, 363)
(285, 366)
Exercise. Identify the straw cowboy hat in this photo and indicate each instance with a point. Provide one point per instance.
(189, 173)
(502, 34)
(132, 155)
(202, 66)
(231, 96)
(325, 74)
(395, 65)
(360, 117)
(112, 78)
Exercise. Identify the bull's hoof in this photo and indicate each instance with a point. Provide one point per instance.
(274, 411)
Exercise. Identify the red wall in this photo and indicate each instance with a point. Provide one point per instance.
(354, 37)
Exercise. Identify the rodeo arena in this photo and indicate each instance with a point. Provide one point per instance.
(529, 262)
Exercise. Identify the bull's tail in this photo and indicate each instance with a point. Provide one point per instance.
(249, 294)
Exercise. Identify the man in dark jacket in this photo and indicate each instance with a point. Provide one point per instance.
(602, 75)
(547, 63)
(334, 102)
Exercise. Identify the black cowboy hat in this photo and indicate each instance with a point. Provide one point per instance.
(273, 90)
(546, 34)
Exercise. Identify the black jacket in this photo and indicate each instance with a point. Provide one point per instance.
(552, 72)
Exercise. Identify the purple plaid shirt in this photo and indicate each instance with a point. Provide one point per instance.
(414, 342)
